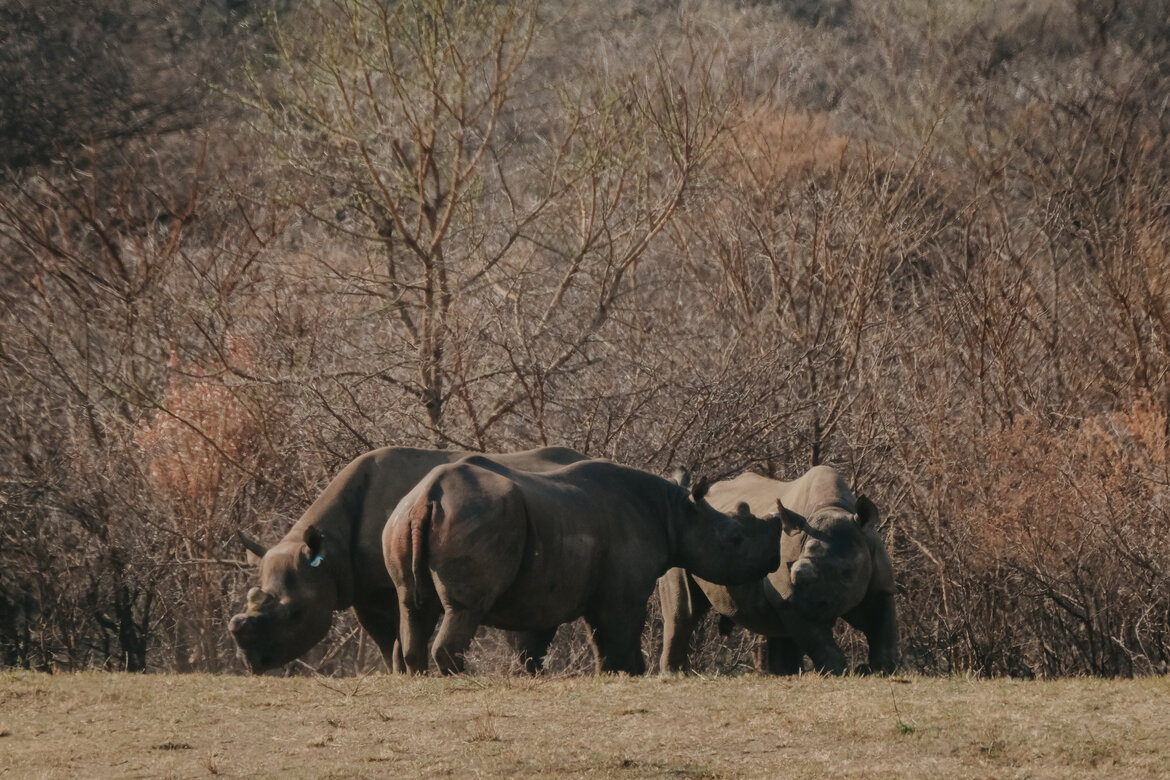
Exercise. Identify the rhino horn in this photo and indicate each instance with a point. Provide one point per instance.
(867, 513)
(251, 545)
(257, 598)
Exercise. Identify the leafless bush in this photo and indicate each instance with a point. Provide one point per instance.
(924, 243)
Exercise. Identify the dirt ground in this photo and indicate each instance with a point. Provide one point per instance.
(118, 725)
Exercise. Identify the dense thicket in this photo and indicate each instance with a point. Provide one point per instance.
(923, 242)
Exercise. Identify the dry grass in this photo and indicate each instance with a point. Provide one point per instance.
(98, 724)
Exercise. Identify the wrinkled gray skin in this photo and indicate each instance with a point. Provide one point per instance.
(477, 543)
(833, 565)
(331, 559)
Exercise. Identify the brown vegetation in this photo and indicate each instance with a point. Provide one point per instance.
(926, 244)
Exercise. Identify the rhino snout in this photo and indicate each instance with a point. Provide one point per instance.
(244, 630)
(803, 573)
(238, 626)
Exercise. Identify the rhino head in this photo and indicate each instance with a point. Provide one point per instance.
(726, 549)
(826, 560)
(292, 608)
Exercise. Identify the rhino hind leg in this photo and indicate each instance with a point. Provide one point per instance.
(455, 634)
(415, 627)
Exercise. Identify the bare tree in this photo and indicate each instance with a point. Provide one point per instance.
(492, 220)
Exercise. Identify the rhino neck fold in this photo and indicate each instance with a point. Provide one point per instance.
(337, 514)
(694, 543)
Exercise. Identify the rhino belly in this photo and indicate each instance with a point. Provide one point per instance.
(534, 609)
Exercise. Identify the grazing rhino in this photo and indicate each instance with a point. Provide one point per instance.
(477, 543)
(833, 565)
(331, 559)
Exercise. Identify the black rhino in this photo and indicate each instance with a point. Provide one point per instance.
(833, 565)
(477, 543)
(331, 559)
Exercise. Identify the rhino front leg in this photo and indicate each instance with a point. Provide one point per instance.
(379, 617)
(877, 618)
(617, 635)
(779, 655)
(816, 640)
(823, 651)
(683, 607)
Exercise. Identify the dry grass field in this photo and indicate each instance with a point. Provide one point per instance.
(117, 725)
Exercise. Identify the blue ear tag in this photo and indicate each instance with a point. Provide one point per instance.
(317, 560)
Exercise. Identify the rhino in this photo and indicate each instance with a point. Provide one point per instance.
(833, 565)
(476, 542)
(331, 559)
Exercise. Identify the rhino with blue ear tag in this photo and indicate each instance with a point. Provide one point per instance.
(331, 559)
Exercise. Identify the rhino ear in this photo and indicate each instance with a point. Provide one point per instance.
(315, 541)
(867, 513)
(791, 522)
(699, 490)
(681, 476)
(743, 511)
(252, 547)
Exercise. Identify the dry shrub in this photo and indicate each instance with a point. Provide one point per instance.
(1065, 550)
(198, 450)
(202, 427)
(770, 144)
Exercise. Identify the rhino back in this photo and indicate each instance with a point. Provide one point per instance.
(528, 545)
(758, 491)
(365, 492)
(820, 487)
(618, 508)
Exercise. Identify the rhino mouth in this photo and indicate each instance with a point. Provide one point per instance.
(263, 665)
(258, 663)
(257, 655)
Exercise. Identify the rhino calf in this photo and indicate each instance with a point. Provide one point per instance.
(331, 559)
(478, 543)
(833, 565)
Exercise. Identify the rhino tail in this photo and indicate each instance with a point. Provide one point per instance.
(420, 531)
